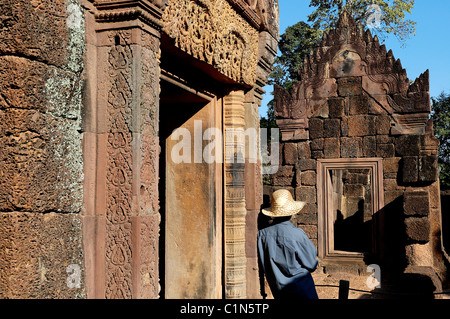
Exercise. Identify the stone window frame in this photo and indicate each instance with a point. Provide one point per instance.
(325, 228)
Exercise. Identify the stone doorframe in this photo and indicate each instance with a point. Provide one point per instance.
(121, 210)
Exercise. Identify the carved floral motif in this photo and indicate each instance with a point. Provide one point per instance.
(119, 176)
(149, 170)
(213, 32)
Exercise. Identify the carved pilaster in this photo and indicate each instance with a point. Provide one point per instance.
(235, 211)
(122, 148)
(119, 177)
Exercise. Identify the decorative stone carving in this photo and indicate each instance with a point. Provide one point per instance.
(119, 175)
(122, 213)
(349, 51)
(235, 211)
(269, 13)
(149, 171)
(147, 11)
(213, 32)
(132, 228)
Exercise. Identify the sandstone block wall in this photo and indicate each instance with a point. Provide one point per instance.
(41, 165)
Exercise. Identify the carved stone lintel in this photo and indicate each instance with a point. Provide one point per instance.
(213, 32)
(132, 220)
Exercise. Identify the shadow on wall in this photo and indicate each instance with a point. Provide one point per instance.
(391, 256)
(353, 234)
(445, 210)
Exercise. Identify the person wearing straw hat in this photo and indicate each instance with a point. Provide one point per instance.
(285, 252)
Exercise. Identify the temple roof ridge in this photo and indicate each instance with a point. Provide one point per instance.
(346, 20)
(352, 51)
(353, 36)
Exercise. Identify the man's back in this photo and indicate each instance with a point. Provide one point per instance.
(286, 254)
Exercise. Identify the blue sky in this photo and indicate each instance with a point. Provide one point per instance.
(428, 49)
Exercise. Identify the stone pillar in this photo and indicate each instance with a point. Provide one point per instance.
(253, 192)
(121, 150)
(235, 211)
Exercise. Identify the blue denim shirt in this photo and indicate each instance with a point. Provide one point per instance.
(286, 254)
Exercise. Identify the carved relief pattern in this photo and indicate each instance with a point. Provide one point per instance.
(119, 173)
(213, 32)
(349, 50)
(150, 84)
(149, 257)
(235, 209)
(269, 13)
(149, 205)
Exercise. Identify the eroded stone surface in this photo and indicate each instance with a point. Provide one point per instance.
(35, 253)
(40, 106)
(41, 161)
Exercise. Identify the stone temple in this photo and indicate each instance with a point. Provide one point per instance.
(358, 146)
(109, 109)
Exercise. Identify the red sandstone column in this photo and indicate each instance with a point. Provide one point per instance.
(121, 150)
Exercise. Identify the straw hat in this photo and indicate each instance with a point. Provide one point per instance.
(283, 205)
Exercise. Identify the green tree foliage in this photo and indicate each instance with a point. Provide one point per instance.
(392, 15)
(295, 45)
(269, 122)
(441, 120)
(298, 40)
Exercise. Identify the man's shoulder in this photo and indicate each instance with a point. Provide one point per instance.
(283, 230)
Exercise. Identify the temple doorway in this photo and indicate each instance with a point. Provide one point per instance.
(190, 194)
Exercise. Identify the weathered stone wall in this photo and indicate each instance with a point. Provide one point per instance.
(79, 112)
(41, 167)
(354, 101)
